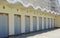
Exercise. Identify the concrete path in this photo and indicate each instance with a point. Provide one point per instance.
(42, 34)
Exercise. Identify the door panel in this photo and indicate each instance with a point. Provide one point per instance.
(52, 25)
(4, 25)
(27, 24)
(44, 23)
(1, 25)
(34, 23)
(17, 24)
(48, 23)
(40, 23)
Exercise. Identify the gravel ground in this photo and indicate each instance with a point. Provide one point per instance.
(42, 34)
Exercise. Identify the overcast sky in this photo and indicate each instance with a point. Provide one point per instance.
(59, 1)
(13, 1)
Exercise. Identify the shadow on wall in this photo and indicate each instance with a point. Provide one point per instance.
(33, 33)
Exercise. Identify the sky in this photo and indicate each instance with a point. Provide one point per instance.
(59, 1)
(13, 1)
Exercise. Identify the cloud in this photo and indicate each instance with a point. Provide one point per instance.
(12, 1)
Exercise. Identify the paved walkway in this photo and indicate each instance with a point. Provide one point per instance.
(47, 34)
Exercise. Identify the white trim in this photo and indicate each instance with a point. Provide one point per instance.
(11, 24)
(22, 24)
(31, 23)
